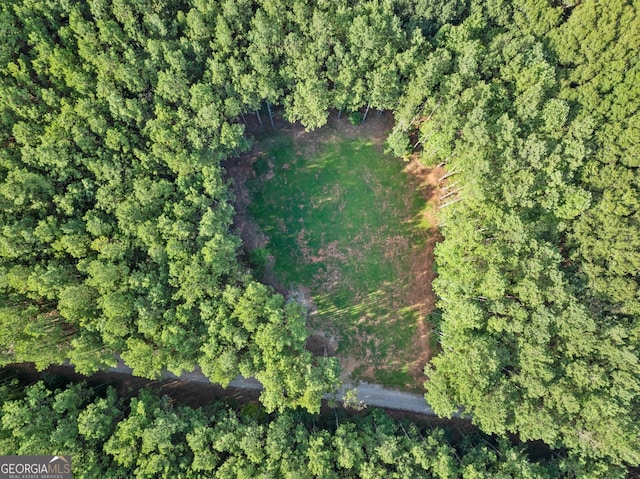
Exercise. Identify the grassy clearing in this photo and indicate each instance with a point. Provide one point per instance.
(343, 224)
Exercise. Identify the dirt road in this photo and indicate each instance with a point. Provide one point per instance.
(368, 394)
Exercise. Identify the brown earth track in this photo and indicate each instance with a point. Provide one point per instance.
(420, 291)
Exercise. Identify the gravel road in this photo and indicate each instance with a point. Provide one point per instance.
(372, 395)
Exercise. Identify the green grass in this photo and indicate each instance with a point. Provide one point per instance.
(342, 219)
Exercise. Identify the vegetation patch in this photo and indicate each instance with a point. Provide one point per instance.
(346, 230)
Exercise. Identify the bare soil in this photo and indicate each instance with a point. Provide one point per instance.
(238, 171)
(420, 293)
(319, 344)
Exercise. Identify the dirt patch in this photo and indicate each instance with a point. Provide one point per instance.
(330, 252)
(420, 293)
(269, 277)
(270, 172)
(395, 247)
(328, 278)
(427, 183)
(302, 295)
(319, 344)
(239, 170)
(362, 366)
(377, 128)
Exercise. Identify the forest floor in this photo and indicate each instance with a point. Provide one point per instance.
(332, 222)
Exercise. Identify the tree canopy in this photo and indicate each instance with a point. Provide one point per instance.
(117, 224)
(115, 216)
(537, 275)
(148, 436)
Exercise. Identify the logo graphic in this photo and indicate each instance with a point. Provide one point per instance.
(35, 467)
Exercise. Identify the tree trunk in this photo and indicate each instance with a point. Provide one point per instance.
(447, 159)
(259, 119)
(433, 111)
(450, 203)
(243, 118)
(379, 113)
(432, 152)
(366, 112)
(339, 113)
(450, 193)
(270, 115)
(447, 175)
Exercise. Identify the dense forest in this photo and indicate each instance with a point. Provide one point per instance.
(149, 437)
(536, 117)
(117, 224)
